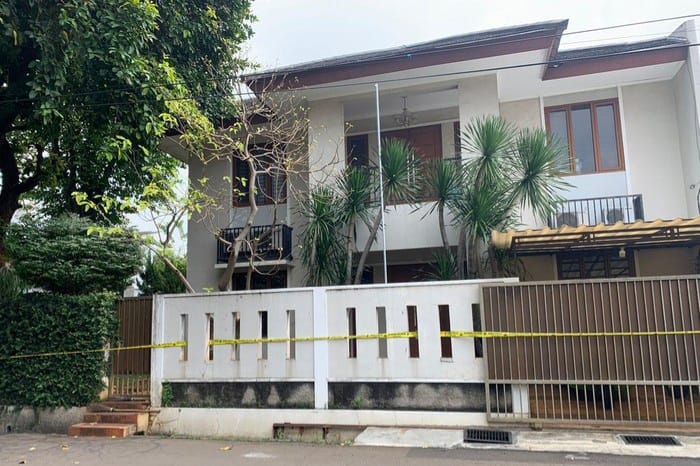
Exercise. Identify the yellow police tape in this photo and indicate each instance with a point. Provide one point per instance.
(371, 336)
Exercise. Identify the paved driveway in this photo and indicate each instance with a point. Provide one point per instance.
(58, 450)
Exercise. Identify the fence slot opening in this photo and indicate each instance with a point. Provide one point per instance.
(262, 348)
(352, 331)
(412, 313)
(381, 328)
(291, 334)
(476, 326)
(210, 336)
(445, 342)
(183, 336)
(236, 334)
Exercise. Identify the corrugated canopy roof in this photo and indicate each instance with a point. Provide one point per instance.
(678, 232)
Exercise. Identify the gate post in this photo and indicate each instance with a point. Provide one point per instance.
(320, 318)
(157, 354)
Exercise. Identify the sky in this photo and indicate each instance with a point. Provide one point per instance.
(294, 31)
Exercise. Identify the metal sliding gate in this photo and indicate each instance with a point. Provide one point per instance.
(131, 369)
(594, 351)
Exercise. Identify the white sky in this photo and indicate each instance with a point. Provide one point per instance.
(294, 31)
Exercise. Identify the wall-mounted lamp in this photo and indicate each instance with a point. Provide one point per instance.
(622, 253)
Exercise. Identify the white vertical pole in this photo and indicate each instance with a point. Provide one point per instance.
(381, 179)
(319, 309)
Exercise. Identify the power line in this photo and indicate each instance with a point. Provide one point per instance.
(463, 47)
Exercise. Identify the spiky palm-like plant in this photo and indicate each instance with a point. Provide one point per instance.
(445, 180)
(355, 190)
(509, 170)
(321, 247)
(400, 170)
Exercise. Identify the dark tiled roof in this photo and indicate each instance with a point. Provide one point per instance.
(554, 28)
(612, 49)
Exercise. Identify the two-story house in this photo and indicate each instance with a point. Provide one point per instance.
(628, 112)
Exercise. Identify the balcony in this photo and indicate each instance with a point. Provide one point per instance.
(274, 243)
(592, 211)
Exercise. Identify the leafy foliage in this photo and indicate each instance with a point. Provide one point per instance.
(41, 323)
(10, 284)
(157, 277)
(328, 237)
(59, 255)
(321, 242)
(89, 89)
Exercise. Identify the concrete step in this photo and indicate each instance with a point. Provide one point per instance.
(90, 429)
(140, 419)
(113, 405)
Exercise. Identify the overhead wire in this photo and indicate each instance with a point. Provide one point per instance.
(139, 89)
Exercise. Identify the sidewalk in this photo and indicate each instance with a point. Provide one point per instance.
(605, 443)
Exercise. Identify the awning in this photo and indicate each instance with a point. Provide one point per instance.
(667, 233)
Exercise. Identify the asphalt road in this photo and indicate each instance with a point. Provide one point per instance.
(58, 450)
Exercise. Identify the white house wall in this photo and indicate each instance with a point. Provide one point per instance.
(326, 141)
(201, 243)
(653, 151)
(688, 136)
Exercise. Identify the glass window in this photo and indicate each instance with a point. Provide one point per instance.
(582, 130)
(559, 129)
(607, 136)
(591, 130)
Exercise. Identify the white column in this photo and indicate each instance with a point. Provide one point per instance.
(157, 355)
(320, 316)
(326, 141)
(478, 96)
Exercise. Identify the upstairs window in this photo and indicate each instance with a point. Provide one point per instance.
(271, 181)
(591, 131)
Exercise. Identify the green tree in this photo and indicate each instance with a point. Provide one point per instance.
(328, 240)
(89, 88)
(510, 171)
(158, 277)
(64, 255)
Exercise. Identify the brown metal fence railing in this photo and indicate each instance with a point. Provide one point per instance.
(131, 370)
(618, 351)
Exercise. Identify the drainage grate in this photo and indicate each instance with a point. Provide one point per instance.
(487, 436)
(650, 440)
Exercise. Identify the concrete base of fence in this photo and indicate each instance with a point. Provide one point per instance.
(45, 421)
(258, 423)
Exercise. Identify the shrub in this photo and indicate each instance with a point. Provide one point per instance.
(44, 323)
(157, 277)
(10, 284)
(58, 255)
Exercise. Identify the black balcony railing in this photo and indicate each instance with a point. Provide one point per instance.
(592, 211)
(274, 242)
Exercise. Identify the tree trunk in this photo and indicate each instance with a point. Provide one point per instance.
(363, 258)
(177, 272)
(461, 252)
(443, 229)
(225, 280)
(348, 265)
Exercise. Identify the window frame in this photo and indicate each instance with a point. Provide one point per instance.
(266, 178)
(606, 255)
(592, 104)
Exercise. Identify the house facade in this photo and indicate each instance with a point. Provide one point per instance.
(628, 113)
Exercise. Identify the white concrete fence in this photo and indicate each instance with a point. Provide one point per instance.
(319, 312)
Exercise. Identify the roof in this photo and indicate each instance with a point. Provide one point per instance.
(550, 29)
(606, 50)
(488, 43)
(677, 232)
